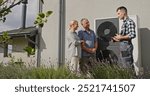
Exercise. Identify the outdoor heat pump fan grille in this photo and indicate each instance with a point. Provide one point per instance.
(106, 31)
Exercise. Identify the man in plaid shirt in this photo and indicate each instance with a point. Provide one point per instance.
(125, 38)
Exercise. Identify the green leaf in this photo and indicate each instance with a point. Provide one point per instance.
(48, 13)
(29, 50)
(5, 38)
(38, 17)
(35, 22)
(42, 15)
(42, 18)
(41, 25)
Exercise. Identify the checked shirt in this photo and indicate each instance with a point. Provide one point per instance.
(126, 47)
(128, 27)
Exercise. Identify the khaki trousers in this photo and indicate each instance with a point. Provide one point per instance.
(74, 65)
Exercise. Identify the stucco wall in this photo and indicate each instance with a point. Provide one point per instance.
(49, 40)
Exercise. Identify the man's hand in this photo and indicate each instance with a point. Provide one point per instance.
(89, 50)
(120, 37)
(117, 37)
(93, 50)
(82, 41)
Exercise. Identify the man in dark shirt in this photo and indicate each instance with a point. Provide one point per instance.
(125, 37)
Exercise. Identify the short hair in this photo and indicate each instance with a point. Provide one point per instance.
(72, 22)
(83, 19)
(122, 8)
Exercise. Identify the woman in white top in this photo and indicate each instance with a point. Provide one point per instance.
(74, 47)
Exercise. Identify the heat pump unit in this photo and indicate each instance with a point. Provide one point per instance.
(109, 50)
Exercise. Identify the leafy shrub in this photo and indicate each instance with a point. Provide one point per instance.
(29, 50)
(19, 71)
(11, 71)
(110, 71)
(49, 73)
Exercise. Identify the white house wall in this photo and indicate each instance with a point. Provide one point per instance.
(17, 52)
(91, 9)
(49, 42)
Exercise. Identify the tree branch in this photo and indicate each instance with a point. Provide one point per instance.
(11, 6)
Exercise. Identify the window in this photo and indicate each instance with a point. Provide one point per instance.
(16, 14)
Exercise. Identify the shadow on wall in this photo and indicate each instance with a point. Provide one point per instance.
(43, 45)
(145, 49)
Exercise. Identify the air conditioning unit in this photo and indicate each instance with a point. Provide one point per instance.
(108, 50)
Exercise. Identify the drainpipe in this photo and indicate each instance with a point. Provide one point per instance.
(24, 11)
(61, 42)
(39, 38)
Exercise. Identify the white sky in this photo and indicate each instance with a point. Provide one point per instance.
(14, 19)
